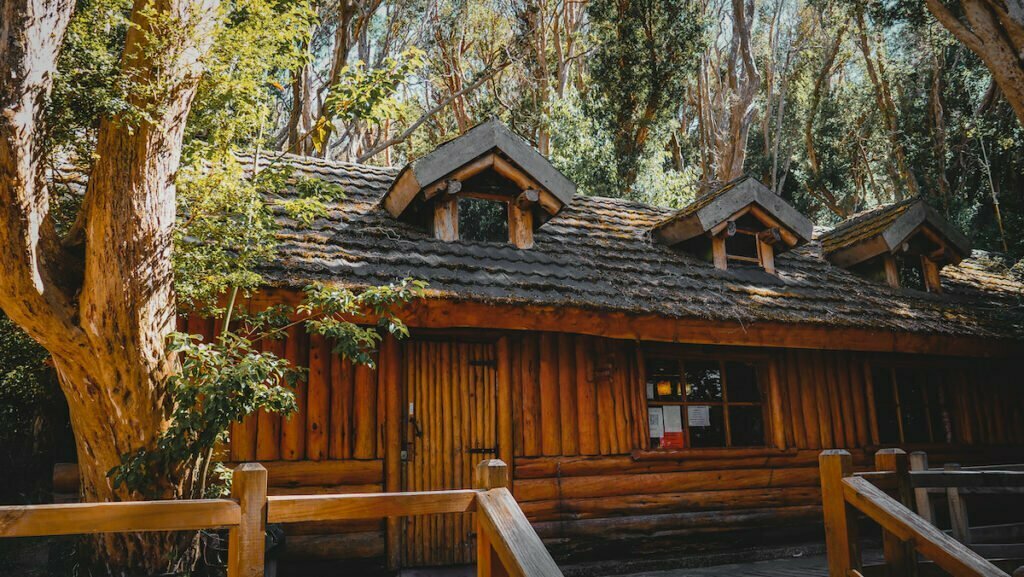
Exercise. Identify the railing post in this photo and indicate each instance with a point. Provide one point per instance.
(489, 474)
(247, 541)
(919, 462)
(900, 557)
(957, 510)
(840, 520)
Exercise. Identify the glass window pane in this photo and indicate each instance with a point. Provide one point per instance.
(711, 435)
(909, 267)
(741, 244)
(663, 382)
(741, 379)
(912, 408)
(703, 381)
(746, 426)
(885, 406)
(483, 220)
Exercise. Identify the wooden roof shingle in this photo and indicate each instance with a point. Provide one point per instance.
(597, 253)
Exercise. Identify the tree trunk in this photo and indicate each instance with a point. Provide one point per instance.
(104, 319)
(901, 172)
(816, 186)
(303, 115)
(994, 30)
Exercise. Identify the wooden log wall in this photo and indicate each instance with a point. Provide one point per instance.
(581, 469)
(576, 395)
(334, 443)
(611, 489)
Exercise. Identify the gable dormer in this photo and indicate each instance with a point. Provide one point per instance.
(487, 184)
(741, 223)
(904, 244)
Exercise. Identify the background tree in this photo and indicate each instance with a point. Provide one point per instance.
(645, 50)
(994, 30)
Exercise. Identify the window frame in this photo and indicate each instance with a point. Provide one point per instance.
(730, 227)
(444, 223)
(764, 374)
(949, 404)
(500, 199)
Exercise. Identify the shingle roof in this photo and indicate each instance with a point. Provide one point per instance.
(891, 225)
(720, 205)
(597, 253)
(863, 225)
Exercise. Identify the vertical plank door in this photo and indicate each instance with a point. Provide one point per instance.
(450, 396)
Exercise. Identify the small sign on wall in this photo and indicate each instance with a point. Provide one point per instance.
(698, 415)
(673, 438)
(655, 422)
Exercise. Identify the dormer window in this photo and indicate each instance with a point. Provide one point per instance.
(904, 244)
(487, 185)
(741, 224)
(483, 219)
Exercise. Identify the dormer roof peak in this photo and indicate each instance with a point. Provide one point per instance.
(489, 144)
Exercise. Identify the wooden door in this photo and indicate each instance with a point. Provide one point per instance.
(450, 426)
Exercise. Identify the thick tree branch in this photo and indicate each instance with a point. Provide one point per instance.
(32, 290)
(996, 34)
(430, 113)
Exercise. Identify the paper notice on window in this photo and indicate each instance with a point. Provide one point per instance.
(650, 390)
(673, 419)
(655, 422)
(698, 415)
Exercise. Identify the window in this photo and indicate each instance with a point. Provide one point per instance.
(910, 273)
(745, 241)
(742, 245)
(901, 270)
(483, 219)
(911, 406)
(704, 403)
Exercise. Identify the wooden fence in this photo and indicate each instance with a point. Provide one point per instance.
(507, 545)
(905, 534)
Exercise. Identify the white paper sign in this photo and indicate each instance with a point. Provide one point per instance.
(698, 415)
(655, 422)
(673, 419)
(650, 390)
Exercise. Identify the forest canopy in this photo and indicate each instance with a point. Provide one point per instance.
(837, 106)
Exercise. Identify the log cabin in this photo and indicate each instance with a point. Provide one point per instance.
(657, 379)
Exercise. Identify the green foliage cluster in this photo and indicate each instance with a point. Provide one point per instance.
(226, 223)
(365, 94)
(224, 381)
(27, 384)
(646, 52)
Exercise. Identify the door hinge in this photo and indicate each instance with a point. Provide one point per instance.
(482, 450)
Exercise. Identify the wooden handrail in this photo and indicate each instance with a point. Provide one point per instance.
(126, 517)
(517, 545)
(880, 479)
(507, 544)
(843, 493)
(291, 509)
(948, 553)
(961, 478)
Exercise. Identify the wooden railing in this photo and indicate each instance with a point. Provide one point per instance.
(905, 534)
(507, 545)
